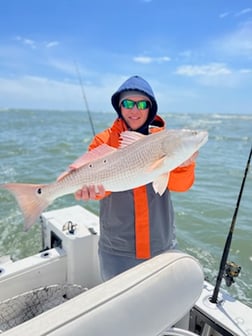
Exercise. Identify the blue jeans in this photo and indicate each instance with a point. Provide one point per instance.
(111, 265)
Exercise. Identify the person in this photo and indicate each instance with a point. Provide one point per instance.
(137, 224)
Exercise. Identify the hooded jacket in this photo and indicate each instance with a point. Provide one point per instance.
(137, 83)
(139, 223)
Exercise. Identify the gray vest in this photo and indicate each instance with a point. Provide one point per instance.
(117, 223)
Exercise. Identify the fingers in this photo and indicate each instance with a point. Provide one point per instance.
(77, 195)
(90, 192)
(101, 190)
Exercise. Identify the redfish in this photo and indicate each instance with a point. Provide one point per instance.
(139, 160)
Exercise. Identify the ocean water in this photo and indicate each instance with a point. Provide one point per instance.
(36, 146)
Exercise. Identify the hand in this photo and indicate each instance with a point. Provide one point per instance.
(90, 192)
(190, 160)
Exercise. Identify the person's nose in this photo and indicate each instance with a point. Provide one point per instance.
(135, 109)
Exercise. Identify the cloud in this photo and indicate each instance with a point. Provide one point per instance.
(225, 14)
(44, 93)
(148, 60)
(216, 75)
(36, 44)
(236, 43)
(212, 69)
(65, 67)
(243, 12)
(245, 71)
(51, 44)
(36, 91)
(236, 14)
(26, 41)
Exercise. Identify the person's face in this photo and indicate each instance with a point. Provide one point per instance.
(135, 116)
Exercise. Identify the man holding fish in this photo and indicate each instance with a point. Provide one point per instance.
(136, 224)
(131, 168)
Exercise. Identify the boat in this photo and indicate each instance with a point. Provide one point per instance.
(59, 291)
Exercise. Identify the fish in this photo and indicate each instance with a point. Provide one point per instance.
(139, 160)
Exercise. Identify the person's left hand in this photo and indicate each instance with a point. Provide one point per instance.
(190, 160)
(89, 192)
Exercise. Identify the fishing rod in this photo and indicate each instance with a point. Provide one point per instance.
(85, 98)
(229, 237)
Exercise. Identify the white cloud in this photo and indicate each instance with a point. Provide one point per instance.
(35, 44)
(65, 67)
(217, 75)
(244, 11)
(44, 93)
(225, 14)
(30, 43)
(245, 71)
(143, 59)
(163, 59)
(35, 91)
(212, 69)
(26, 41)
(148, 60)
(237, 43)
(51, 44)
(240, 13)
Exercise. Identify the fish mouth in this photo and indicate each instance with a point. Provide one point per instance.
(204, 138)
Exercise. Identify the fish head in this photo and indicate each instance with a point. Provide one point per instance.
(193, 138)
(179, 145)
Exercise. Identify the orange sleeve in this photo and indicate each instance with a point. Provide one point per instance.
(99, 139)
(98, 198)
(182, 178)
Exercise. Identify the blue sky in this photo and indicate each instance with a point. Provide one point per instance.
(197, 55)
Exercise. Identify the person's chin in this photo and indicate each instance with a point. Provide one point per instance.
(134, 125)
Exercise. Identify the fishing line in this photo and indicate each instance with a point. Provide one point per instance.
(85, 98)
(229, 237)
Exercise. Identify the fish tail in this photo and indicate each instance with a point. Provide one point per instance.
(30, 199)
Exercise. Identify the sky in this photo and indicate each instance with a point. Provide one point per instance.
(74, 54)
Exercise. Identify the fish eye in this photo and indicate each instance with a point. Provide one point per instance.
(105, 161)
(39, 191)
(90, 165)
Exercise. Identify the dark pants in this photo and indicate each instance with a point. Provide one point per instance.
(111, 265)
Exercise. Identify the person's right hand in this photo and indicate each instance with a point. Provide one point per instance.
(90, 192)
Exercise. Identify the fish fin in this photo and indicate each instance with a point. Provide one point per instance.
(157, 164)
(129, 137)
(30, 200)
(94, 154)
(160, 183)
(64, 174)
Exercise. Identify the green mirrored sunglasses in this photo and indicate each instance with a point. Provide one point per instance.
(141, 104)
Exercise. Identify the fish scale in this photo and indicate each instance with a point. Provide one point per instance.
(124, 172)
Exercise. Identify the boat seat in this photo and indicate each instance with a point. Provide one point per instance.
(145, 300)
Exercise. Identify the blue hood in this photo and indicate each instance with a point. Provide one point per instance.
(136, 83)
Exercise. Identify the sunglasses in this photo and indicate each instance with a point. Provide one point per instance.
(141, 104)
